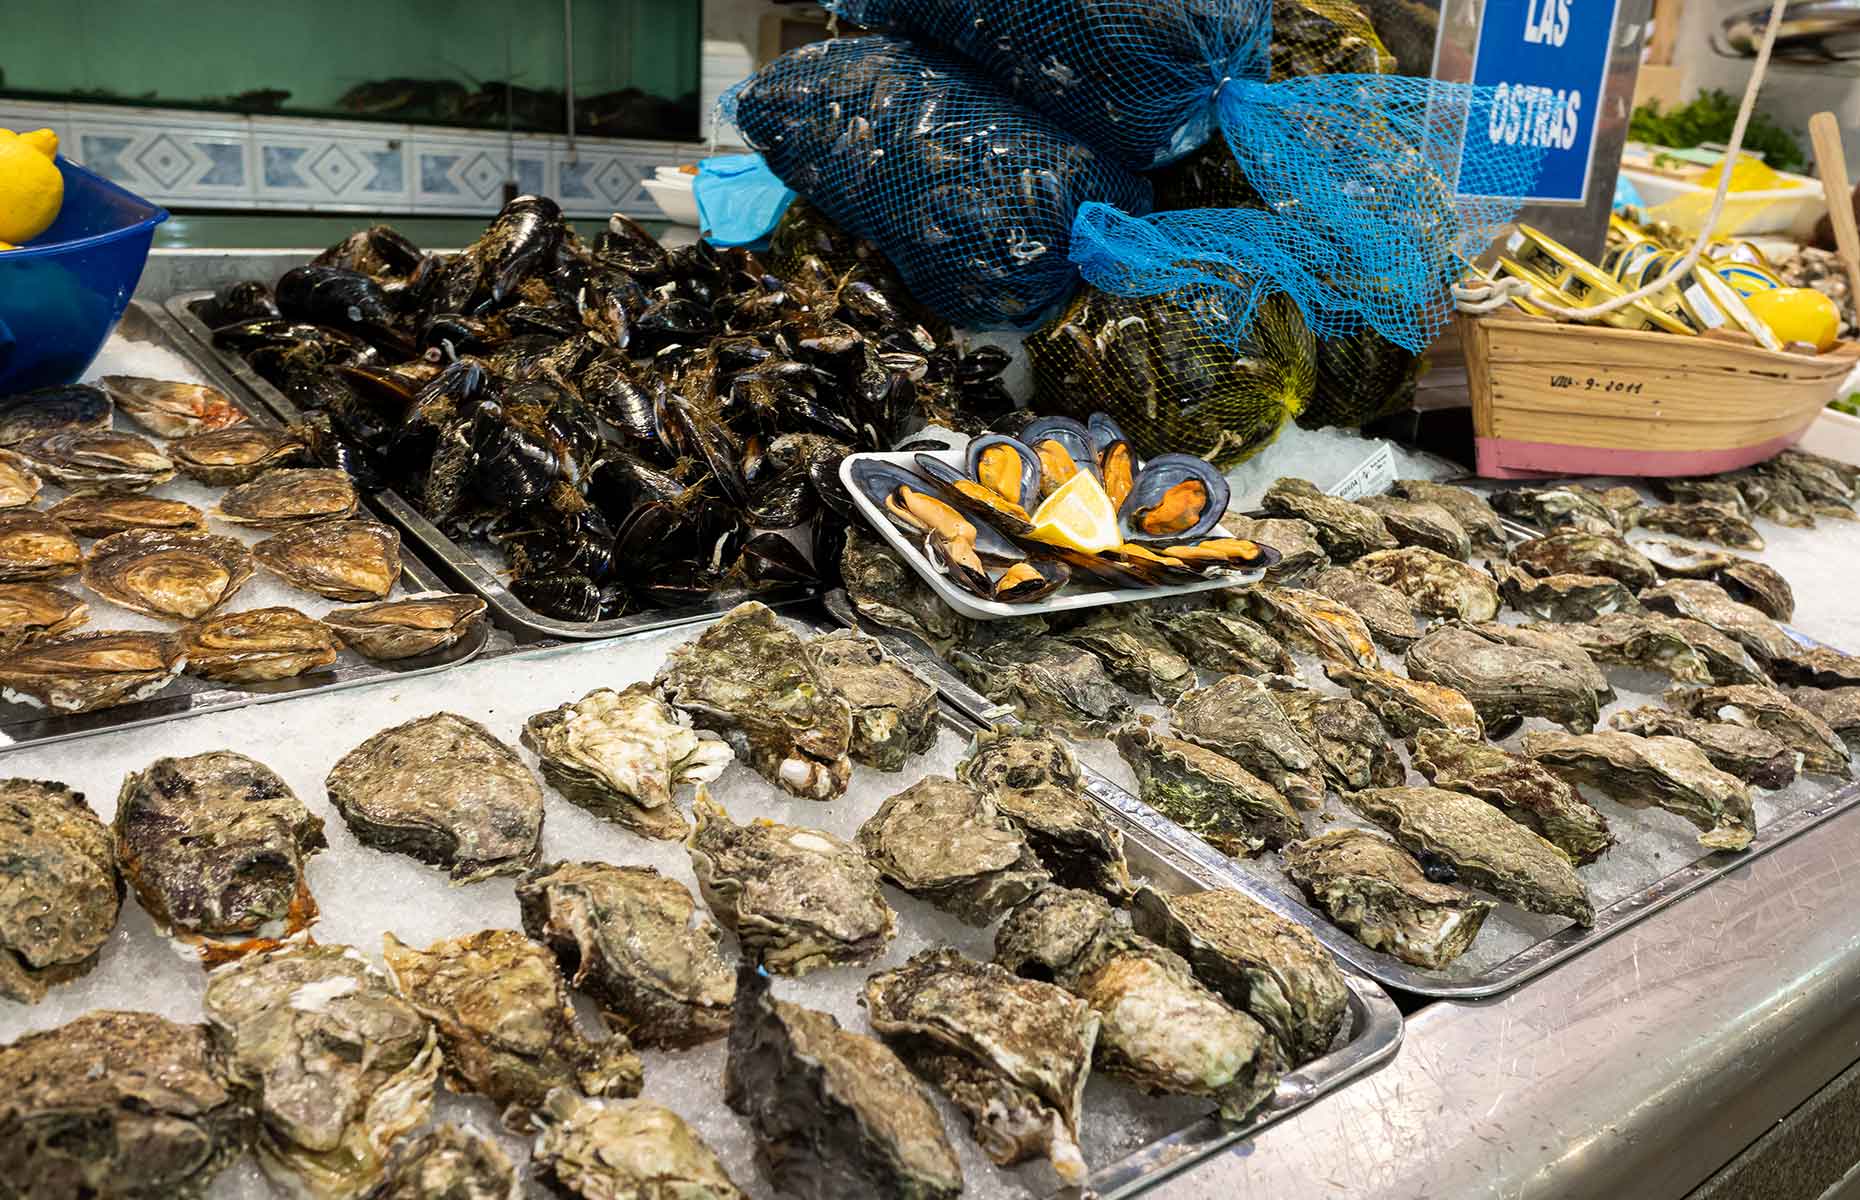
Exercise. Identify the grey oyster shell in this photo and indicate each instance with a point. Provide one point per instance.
(798, 899)
(506, 1028)
(214, 846)
(894, 713)
(283, 499)
(447, 1162)
(1047, 682)
(1768, 709)
(945, 843)
(1571, 552)
(1294, 539)
(59, 891)
(1759, 585)
(1312, 622)
(1487, 849)
(889, 594)
(1554, 645)
(749, 678)
(227, 457)
(1348, 737)
(1035, 782)
(1570, 506)
(625, 1150)
(1345, 529)
(1421, 523)
(1386, 611)
(1774, 497)
(1667, 772)
(1236, 716)
(127, 1105)
(1467, 507)
(1224, 643)
(33, 612)
(626, 937)
(1647, 642)
(1703, 490)
(1205, 792)
(351, 561)
(1725, 658)
(1376, 892)
(1839, 708)
(85, 462)
(1819, 477)
(1050, 932)
(1758, 758)
(101, 516)
(1562, 597)
(83, 672)
(169, 408)
(1256, 960)
(1505, 682)
(397, 629)
(255, 645)
(442, 790)
(1528, 792)
(1818, 666)
(624, 755)
(1706, 522)
(1407, 705)
(339, 1066)
(165, 573)
(1434, 584)
(1708, 604)
(1013, 1054)
(1134, 652)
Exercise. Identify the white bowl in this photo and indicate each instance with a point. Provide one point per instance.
(679, 204)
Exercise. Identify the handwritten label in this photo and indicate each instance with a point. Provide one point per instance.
(1370, 477)
(1592, 384)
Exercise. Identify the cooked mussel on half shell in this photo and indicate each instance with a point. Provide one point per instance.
(171, 409)
(257, 645)
(343, 560)
(100, 460)
(1064, 447)
(227, 457)
(1000, 483)
(1117, 461)
(280, 499)
(1174, 498)
(957, 545)
(33, 546)
(397, 629)
(101, 516)
(88, 671)
(164, 573)
(32, 612)
(19, 486)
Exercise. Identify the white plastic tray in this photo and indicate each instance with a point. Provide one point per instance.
(1071, 596)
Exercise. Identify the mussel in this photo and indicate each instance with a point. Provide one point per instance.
(1117, 461)
(1006, 466)
(955, 545)
(1174, 498)
(396, 629)
(168, 573)
(964, 491)
(1064, 447)
(171, 409)
(227, 457)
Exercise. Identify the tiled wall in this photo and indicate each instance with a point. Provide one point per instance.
(208, 160)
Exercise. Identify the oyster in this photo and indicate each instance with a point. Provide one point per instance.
(33, 612)
(350, 561)
(624, 755)
(1134, 652)
(1483, 846)
(1222, 642)
(1348, 737)
(101, 516)
(1725, 659)
(442, 790)
(29, 415)
(282, 499)
(34, 546)
(338, 1065)
(1817, 666)
(1664, 771)
(1312, 622)
(891, 595)
(170, 409)
(1759, 585)
(1561, 597)
(1035, 782)
(1345, 529)
(98, 461)
(1839, 708)
(836, 1113)
(1046, 681)
(1721, 493)
(1572, 552)
(1375, 891)
(1827, 487)
(1468, 508)
(1683, 560)
(1528, 792)
(1570, 506)
(1505, 682)
(1766, 708)
(1421, 523)
(1706, 522)
(506, 1029)
(625, 1150)
(945, 843)
(164, 573)
(797, 899)
(215, 845)
(397, 629)
(1407, 705)
(894, 713)
(1295, 540)
(749, 678)
(1206, 793)
(1774, 497)
(1237, 717)
(1708, 604)
(83, 672)
(625, 936)
(1634, 640)
(19, 487)
(447, 1162)
(127, 1105)
(1256, 960)
(1384, 610)
(1434, 584)
(238, 455)
(1753, 756)
(1554, 645)
(59, 892)
(1012, 1053)
(257, 645)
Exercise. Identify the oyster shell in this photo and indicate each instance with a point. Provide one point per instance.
(1839, 708)
(1348, 737)
(33, 546)
(1706, 522)
(1528, 792)
(1256, 960)
(33, 612)
(1134, 653)
(1753, 756)
(1206, 793)
(1775, 498)
(624, 755)
(1561, 597)
(1485, 848)
(1434, 584)
(83, 672)
(101, 516)
(338, 1065)
(1817, 666)
(894, 713)
(1826, 487)
(1468, 508)
(59, 891)
(287, 497)
(625, 1150)
(1707, 603)
(1407, 705)
(1759, 585)
(1768, 709)
(257, 645)
(1665, 771)
(506, 1029)
(447, 1162)
(749, 678)
(215, 845)
(98, 461)
(1048, 682)
(1011, 1053)
(127, 1105)
(1635, 640)
(1554, 645)
(1035, 782)
(1421, 523)
(1222, 642)
(1313, 623)
(798, 899)
(164, 573)
(1384, 610)
(442, 790)
(945, 843)
(1720, 493)
(891, 595)
(1345, 529)
(350, 561)
(19, 487)
(1375, 891)
(397, 629)
(36, 414)
(1236, 716)
(1294, 539)
(1505, 682)
(229, 457)
(1569, 506)
(170, 409)
(625, 936)
(1572, 552)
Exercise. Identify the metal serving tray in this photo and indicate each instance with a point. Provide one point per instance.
(473, 570)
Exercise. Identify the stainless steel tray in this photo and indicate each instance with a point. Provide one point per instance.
(468, 568)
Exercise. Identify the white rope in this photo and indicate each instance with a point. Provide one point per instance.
(1481, 296)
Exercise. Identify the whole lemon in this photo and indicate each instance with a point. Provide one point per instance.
(1798, 315)
(31, 188)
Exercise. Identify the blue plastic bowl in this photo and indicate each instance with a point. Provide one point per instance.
(63, 292)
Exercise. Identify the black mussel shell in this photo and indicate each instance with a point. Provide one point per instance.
(1033, 579)
(982, 363)
(242, 300)
(1073, 440)
(770, 560)
(565, 597)
(1161, 508)
(981, 503)
(987, 451)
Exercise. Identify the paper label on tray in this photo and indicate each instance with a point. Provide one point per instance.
(1370, 477)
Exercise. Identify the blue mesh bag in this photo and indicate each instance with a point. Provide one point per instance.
(971, 194)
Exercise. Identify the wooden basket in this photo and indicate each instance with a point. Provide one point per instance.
(1554, 399)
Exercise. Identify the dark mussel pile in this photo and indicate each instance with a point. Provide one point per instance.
(635, 426)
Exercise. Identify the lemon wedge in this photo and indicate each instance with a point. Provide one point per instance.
(1079, 516)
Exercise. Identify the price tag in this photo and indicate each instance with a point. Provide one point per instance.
(1371, 477)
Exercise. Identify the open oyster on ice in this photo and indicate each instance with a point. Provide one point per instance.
(344, 560)
(1528, 792)
(165, 573)
(1504, 680)
(1237, 717)
(34, 546)
(447, 1162)
(90, 461)
(1036, 783)
(83, 672)
(1406, 705)
(228, 457)
(1345, 529)
(622, 1149)
(946, 843)
(1435, 585)
(288, 497)
(257, 645)
(1046, 681)
(1386, 611)
(168, 408)
(1468, 508)
(1206, 793)
(101, 516)
(1377, 893)
(1822, 750)
(1312, 622)
(1752, 755)
(397, 629)
(893, 711)
(33, 612)
(1668, 772)
(1347, 735)
(59, 891)
(1224, 643)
